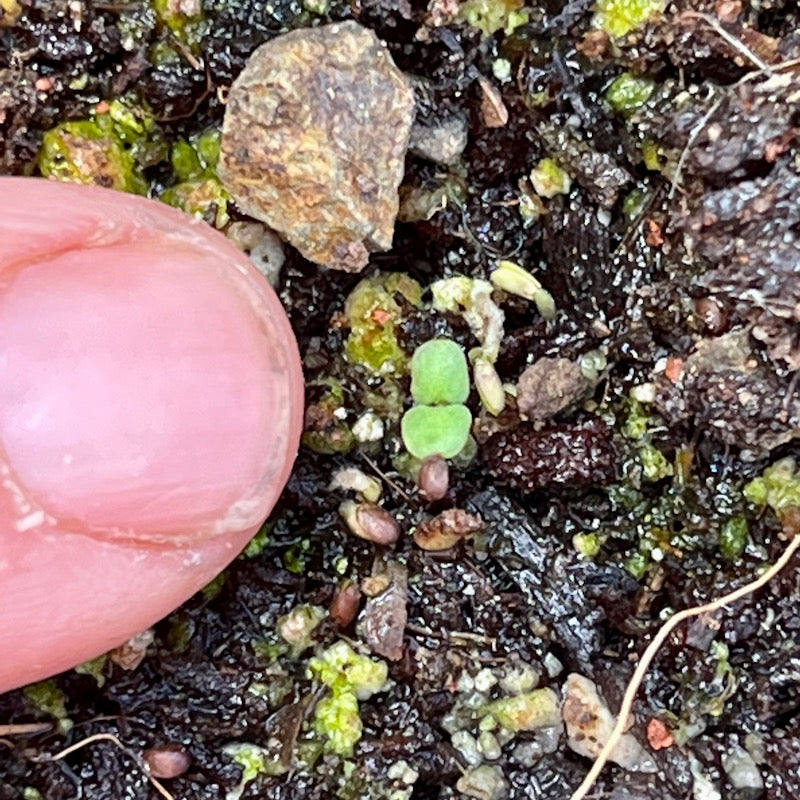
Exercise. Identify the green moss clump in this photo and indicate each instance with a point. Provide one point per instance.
(528, 711)
(89, 152)
(198, 191)
(372, 310)
(549, 179)
(185, 19)
(46, 697)
(350, 677)
(491, 16)
(620, 17)
(109, 149)
(778, 487)
(628, 92)
(733, 537)
(206, 199)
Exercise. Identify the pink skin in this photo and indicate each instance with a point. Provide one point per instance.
(151, 404)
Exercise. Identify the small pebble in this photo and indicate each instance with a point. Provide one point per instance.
(434, 478)
(447, 529)
(484, 783)
(371, 522)
(589, 724)
(314, 140)
(344, 606)
(168, 761)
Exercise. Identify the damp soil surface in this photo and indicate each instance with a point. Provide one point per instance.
(672, 255)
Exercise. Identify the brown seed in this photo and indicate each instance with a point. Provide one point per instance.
(434, 478)
(167, 761)
(493, 109)
(728, 10)
(128, 656)
(344, 605)
(371, 522)
(447, 529)
(711, 314)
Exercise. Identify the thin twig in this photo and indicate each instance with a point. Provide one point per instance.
(696, 131)
(648, 655)
(25, 729)
(735, 43)
(109, 737)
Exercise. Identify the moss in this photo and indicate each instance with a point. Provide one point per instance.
(185, 20)
(205, 198)
(733, 537)
(778, 487)
(198, 190)
(109, 149)
(628, 92)
(94, 668)
(587, 544)
(491, 16)
(620, 17)
(46, 697)
(373, 310)
(526, 712)
(549, 179)
(257, 545)
(213, 589)
(654, 463)
(350, 677)
(254, 761)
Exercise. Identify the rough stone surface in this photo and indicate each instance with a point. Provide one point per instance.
(589, 725)
(549, 386)
(314, 139)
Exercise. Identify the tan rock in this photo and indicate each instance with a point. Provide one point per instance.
(314, 140)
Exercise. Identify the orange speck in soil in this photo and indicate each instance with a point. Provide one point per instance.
(658, 735)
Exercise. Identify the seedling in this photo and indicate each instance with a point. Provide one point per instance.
(439, 373)
(439, 423)
(431, 430)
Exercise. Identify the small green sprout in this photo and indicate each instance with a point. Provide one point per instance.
(733, 537)
(439, 373)
(512, 278)
(778, 487)
(620, 17)
(628, 92)
(432, 430)
(350, 677)
(439, 423)
(549, 179)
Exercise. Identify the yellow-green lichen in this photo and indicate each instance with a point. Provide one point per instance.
(350, 677)
(491, 16)
(778, 487)
(526, 712)
(373, 310)
(549, 179)
(629, 92)
(620, 17)
(109, 149)
(198, 190)
(184, 18)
